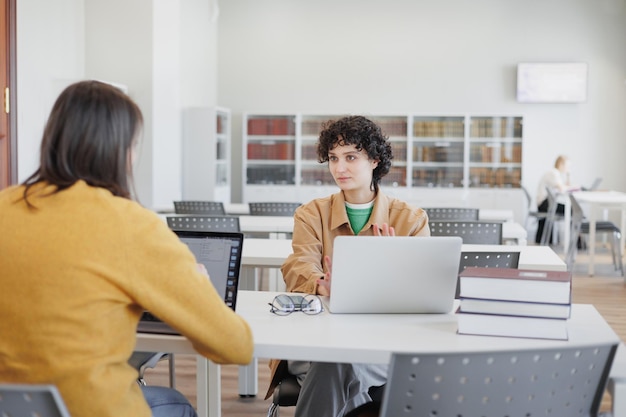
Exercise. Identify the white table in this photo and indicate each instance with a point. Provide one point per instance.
(271, 253)
(496, 215)
(598, 202)
(370, 338)
(237, 209)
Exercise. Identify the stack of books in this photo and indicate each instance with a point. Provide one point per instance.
(514, 302)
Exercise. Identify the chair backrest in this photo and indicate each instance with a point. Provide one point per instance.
(273, 209)
(487, 259)
(529, 199)
(199, 207)
(563, 381)
(17, 400)
(477, 232)
(451, 213)
(212, 223)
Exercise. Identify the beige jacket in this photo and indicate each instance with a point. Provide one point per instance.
(317, 223)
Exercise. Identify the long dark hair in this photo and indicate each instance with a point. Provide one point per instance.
(365, 135)
(89, 136)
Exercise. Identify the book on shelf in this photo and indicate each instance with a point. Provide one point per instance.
(514, 308)
(511, 326)
(536, 286)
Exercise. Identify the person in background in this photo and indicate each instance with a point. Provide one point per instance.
(81, 261)
(358, 156)
(557, 179)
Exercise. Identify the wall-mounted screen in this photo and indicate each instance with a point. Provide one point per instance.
(552, 82)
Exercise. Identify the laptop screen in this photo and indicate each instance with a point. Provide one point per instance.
(220, 253)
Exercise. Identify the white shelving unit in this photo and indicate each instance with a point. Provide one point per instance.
(453, 160)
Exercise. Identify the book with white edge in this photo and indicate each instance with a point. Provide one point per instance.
(511, 326)
(515, 308)
(516, 285)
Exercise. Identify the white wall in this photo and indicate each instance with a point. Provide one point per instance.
(426, 57)
(162, 50)
(137, 43)
(50, 54)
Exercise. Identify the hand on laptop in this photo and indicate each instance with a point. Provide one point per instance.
(202, 269)
(384, 230)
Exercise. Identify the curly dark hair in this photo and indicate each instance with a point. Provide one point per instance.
(365, 135)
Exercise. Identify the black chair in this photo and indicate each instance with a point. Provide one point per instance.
(560, 381)
(24, 400)
(287, 392)
(581, 227)
(477, 232)
(487, 259)
(199, 207)
(273, 208)
(214, 223)
(451, 213)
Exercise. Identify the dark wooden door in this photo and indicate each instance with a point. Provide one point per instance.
(8, 138)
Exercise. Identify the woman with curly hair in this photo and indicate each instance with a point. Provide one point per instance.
(358, 156)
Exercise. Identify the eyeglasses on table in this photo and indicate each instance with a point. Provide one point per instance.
(284, 304)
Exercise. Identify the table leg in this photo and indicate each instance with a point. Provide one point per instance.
(208, 385)
(567, 223)
(592, 238)
(248, 385)
(248, 278)
(248, 379)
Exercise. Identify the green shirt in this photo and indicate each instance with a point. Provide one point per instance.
(358, 215)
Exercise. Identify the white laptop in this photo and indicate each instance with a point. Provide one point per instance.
(394, 274)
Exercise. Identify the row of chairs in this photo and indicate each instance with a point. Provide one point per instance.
(217, 208)
(571, 379)
(443, 221)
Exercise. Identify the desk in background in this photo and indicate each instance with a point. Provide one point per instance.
(271, 253)
(597, 202)
(370, 338)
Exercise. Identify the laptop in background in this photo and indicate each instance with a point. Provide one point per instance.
(596, 184)
(394, 274)
(220, 253)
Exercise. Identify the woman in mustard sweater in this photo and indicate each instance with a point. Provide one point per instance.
(81, 261)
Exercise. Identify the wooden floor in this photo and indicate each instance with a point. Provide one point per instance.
(606, 290)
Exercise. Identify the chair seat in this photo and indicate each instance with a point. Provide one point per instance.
(286, 394)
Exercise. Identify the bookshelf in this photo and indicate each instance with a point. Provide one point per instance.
(447, 157)
(206, 154)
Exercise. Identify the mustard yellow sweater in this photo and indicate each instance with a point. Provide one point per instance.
(75, 275)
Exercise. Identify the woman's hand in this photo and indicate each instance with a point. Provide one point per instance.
(323, 284)
(384, 230)
(202, 269)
